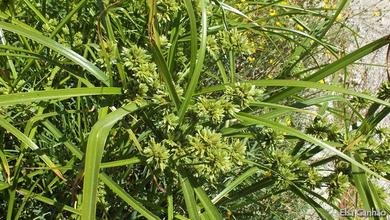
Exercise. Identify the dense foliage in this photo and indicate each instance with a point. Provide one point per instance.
(184, 109)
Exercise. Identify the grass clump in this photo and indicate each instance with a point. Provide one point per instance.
(183, 109)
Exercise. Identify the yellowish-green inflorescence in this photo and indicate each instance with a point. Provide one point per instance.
(207, 152)
(196, 144)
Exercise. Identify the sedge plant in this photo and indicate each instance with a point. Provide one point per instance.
(200, 109)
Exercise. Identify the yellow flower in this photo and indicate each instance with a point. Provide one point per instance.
(300, 27)
(267, 173)
(326, 6)
(251, 59)
(376, 13)
(254, 50)
(283, 3)
(288, 121)
(278, 24)
(322, 81)
(272, 12)
(261, 44)
(271, 61)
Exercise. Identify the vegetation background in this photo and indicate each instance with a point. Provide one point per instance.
(187, 109)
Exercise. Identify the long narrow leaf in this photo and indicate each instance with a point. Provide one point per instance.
(301, 84)
(126, 197)
(93, 156)
(125, 162)
(28, 97)
(366, 193)
(335, 66)
(5, 165)
(193, 33)
(319, 209)
(211, 210)
(48, 201)
(199, 64)
(189, 198)
(4, 185)
(237, 181)
(59, 48)
(154, 41)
